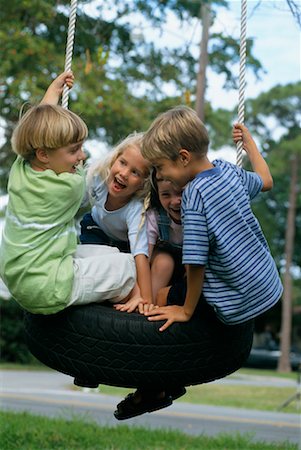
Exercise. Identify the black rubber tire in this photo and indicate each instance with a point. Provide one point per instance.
(99, 345)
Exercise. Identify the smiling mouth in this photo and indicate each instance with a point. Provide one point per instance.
(175, 215)
(118, 184)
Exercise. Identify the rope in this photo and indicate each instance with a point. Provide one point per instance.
(69, 49)
(242, 73)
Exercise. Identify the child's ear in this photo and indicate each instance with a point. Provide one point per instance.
(184, 156)
(42, 155)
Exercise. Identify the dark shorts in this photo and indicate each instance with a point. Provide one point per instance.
(177, 294)
(92, 234)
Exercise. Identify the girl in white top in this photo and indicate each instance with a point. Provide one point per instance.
(117, 187)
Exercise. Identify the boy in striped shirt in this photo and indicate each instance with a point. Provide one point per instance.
(225, 252)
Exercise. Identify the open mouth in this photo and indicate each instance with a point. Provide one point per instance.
(118, 184)
(175, 214)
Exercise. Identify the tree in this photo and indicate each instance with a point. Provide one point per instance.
(203, 62)
(120, 84)
(284, 364)
(296, 10)
(33, 39)
(282, 107)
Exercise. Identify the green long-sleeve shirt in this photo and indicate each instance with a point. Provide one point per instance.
(39, 236)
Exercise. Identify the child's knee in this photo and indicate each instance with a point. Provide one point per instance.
(163, 263)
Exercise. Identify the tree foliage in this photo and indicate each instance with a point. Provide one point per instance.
(279, 109)
(121, 84)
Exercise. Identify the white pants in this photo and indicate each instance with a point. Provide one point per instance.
(101, 273)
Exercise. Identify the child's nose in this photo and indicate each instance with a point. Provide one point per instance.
(124, 172)
(82, 156)
(176, 201)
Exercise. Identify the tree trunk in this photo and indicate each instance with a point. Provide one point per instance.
(284, 364)
(203, 61)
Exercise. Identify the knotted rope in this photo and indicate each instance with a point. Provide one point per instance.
(69, 49)
(242, 73)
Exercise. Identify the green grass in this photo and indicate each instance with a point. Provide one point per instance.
(265, 373)
(248, 397)
(28, 432)
(30, 367)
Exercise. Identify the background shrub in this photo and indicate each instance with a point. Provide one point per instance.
(12, 338)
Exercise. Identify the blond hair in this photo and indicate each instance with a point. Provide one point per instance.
(104, 167)
(48, 127)
(176, 129)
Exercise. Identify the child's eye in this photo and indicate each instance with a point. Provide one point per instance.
(75, 149)
(136, 173)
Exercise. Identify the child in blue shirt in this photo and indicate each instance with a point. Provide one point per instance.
(228, 262)
(226, 255)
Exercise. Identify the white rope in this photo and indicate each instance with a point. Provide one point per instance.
(69, 49)
(242, 73)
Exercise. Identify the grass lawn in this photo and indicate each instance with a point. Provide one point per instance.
(27, 432)
(248, 397)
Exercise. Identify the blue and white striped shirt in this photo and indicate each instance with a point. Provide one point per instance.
(221, 232)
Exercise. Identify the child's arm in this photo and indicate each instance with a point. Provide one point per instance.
(55, 89)
(174, 313)
(144, 277)
(241, 133)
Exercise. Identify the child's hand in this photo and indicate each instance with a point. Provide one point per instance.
(241, 133)
(171, 314)
(147, 307)
(56, 88)
(64, 78)
(131, 305)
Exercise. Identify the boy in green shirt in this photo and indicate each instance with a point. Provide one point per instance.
(41, 264)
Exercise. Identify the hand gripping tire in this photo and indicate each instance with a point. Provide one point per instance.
(99, 345)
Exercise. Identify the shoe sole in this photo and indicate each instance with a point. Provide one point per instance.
(144, 411)
(178, 394)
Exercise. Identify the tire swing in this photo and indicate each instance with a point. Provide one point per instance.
(96, 344)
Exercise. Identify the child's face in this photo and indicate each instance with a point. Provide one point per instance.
(66, 159)
(174, 171)
(127, 174)
(170, 198)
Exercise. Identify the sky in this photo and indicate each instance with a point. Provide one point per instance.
(277, 45)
